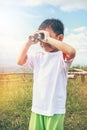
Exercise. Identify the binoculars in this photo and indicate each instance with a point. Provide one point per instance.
(37, 37)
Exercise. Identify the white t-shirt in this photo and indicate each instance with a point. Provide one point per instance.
(50, 80)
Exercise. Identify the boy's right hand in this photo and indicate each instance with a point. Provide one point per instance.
(32, 39)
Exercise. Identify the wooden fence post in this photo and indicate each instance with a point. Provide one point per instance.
(83, 77)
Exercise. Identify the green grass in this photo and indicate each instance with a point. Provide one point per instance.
(15, 103)
(16, 98)
(76, 114)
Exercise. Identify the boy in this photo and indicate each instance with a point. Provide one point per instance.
(50, 69)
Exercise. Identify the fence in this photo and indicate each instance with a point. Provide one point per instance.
(77, 72)
(71, 75)
(13, 77)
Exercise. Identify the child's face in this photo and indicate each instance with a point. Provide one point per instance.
(48, 47)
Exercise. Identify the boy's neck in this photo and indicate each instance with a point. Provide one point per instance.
(54, 50)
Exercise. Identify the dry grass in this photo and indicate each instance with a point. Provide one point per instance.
(15, 103)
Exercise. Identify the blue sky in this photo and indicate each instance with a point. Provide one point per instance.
(20, 18)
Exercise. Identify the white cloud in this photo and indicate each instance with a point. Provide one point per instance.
(33, 2)
(77, 34)
(78, 39)
(64, 5)
(70, 5)
(10, 2)
(81, 29)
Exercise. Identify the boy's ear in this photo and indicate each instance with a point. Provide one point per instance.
(60, 37)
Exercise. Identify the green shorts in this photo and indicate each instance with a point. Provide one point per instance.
(40, 122)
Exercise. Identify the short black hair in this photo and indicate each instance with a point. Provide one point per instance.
(55, 24)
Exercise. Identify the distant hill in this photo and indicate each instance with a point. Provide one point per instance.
(8, 69)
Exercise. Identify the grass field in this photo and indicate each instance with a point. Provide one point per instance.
(16, 98)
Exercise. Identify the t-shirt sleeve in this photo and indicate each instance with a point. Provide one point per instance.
(67, 60)
(30, 62)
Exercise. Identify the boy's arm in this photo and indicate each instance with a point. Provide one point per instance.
(67, 50)
(23, 54)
